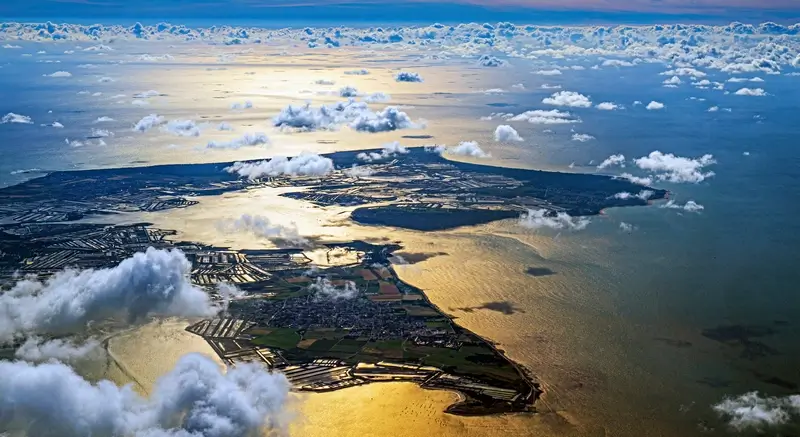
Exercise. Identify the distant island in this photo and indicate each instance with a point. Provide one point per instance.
(373, 327)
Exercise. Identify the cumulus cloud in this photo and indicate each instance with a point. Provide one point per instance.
(182, 128)
(553, 72)
(751, 410)
(684, 71)
(676, 169)
(348, 91)
(324, 289)
(505, 133)
(690, 206)
(16, 118)
(543, 218)
(148, 122)
(196, 398)
(643, 194)
(103, 119)
(654, 106)
(626, 227)
(547, 86)
(407, 76)
(538, 116)
(391, 118)
(637, 179)
(568, 98)
(358, 171)
(154, 282)
(490, 61)
(674, 80)
(59, 74)
(248, 139)
(607, 106)
(38, 349)
(237, 106)
(377, 97)
(263, 227)
(582, 137)
(755, 92)
(468, 148)
(146, 94)
(389, 150)
(305, 164)
(612, 161)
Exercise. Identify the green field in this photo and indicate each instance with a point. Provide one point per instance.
(281, 338)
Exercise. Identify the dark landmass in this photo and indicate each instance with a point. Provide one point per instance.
(742, 336)
(416, 190)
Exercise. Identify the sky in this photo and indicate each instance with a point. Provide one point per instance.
(634, 11)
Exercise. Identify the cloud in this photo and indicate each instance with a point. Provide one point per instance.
(744, 79)
(305, 164)
(676, 169)
(182, 128)
(636, 179)
(324, 289)
(490, 61)
(607, 106)
(248, 139)
(553, 72)
(505, 133)
(751, 410)
(324, 82)
(391, 118)
(407, 76)
(39, 349)
(568, 98)
(626, 227)
(582, 137)
(154, 282)
(547, 86)
(262, 227)
(236, 106)
(690, 206)
(10, 46)
(612, 161)
(755, 92)
(468, 148)
(674, 80)
(361, 72)
(518, 86)
(358, 171)
(685, 71)
(16, 118)
(146, 94)
(389, 150)
(543, 218)
(348, 91)
(539, 116)
(377, 97)
(654, 106)
(148, 122)
(103, 119)
(195, 399)
(59, 74)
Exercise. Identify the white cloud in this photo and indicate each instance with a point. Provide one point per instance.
(538, 116)
(617, 63)
(39, 349)
(491, 61)
(713, 109)
(324, 289)
(57, 125)
(626, 227)
(11, 46)
(553, 72)
(377, 97)
(389, 150)
(636, 179)
(568, 98)
(607, 106)
(612, 161)
(684, 71)
(236, 106)
(348, 91)
(325, 82)
(654, 106)
(182, 128)
(505, 133)
(391, 118)
(59, 74)
(546, 86)
(582, 137)
(542, 218)
(518, 86)
(690, 206)
(263, 227)
(756, 92)
(468, 148)
(751, 410)
(105, 79)
(154, 282)
(146, 94)
(358, 171)
(16, 118)
(361, 72)
(674, 80)
(745, 79)
(224, 126)
(676, 169)
(305, 164)
(148, 122)
(196, 398)
(407, 76)
(248, 139)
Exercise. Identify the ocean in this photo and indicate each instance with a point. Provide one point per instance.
(631, 333)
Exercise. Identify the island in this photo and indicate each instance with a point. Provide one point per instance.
(346, 323)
